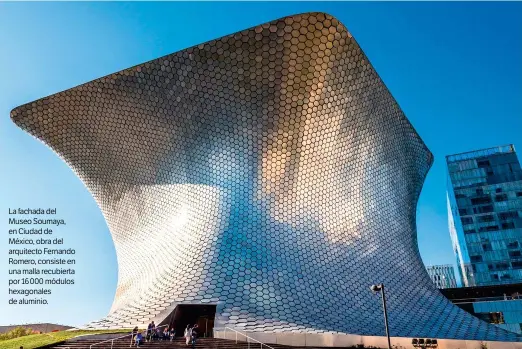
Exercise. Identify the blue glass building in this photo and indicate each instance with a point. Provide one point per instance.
(485, 215)
(500, 305)
(443, 276)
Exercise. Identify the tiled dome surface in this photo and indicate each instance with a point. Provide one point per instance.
(270, 172)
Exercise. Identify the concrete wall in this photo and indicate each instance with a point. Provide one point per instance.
(349, 340)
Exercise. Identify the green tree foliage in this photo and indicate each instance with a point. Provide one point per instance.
(16, 332)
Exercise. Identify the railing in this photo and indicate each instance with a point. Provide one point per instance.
(486, 299)
(249, 339)
(131, 338)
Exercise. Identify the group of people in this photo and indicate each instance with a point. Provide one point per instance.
(155, 333)
(191, 335)
(152, 333)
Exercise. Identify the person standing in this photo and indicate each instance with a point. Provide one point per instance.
(149, 332)
(152, 331)
(188, 334)
(194, 336)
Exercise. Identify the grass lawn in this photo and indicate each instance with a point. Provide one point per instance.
(37, 340)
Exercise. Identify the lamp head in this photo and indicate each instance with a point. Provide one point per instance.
(376, 288)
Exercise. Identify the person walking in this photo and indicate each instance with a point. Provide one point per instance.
(153, 331)
(134, 334)
(139, 339)
(148, 335)
(187, 334)
(194, 336)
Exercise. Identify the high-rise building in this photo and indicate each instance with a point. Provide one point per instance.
(485, 215)
(443, 276)
(500, 305)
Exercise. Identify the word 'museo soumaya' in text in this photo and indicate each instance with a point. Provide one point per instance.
(27, 268)
(35, 220)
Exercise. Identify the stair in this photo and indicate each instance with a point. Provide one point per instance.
(178, 343)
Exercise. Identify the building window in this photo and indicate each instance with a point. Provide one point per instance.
(498, 190)
(496, 317)
(516, 265)
(481, 200)
(501, 276)
(469, 231)
(475, 259)
(490, 228)
(466, 220)
(486, 218)
(497, 266)
(505, 276)
(519, 193)
(508, 225)
(501, 197)
(462, 211)
(492, 318)
(514, 254)
(507, 215)
(486, 209)
(487, 247)
(513, 244)
(483, 163)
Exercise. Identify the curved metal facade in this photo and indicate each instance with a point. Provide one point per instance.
(270, 172)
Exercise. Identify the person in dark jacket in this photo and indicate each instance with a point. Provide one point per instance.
(149, 331)
(194, 336)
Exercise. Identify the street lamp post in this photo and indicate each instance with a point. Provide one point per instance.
(375, 289)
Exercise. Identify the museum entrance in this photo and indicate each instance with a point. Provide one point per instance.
(190, 314)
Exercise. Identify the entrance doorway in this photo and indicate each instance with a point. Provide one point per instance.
(190, 314)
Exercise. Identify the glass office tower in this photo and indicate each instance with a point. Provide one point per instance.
(443, 276)
(500, 305)
(485, 215)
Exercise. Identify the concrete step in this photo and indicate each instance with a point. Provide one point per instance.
(178, 343)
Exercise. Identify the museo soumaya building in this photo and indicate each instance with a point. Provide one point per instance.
(262, 181)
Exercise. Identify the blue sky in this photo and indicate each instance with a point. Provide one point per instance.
(454, 68)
